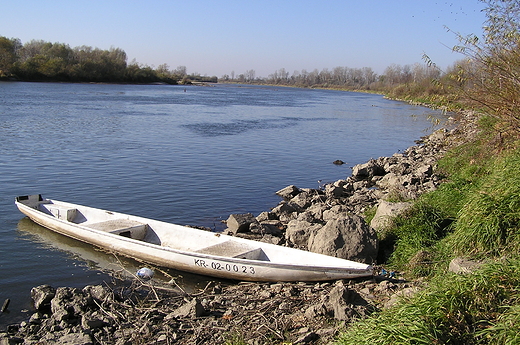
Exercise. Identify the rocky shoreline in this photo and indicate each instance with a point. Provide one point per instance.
(328, 220)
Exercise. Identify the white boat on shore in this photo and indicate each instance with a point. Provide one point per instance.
(184, 248)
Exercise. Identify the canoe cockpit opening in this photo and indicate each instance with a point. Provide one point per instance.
(30, 200)
(234, 249)
(61, 212)
(123, 227)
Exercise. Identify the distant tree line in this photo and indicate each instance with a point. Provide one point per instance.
(345, 77)
(38, 60)
(487, 77)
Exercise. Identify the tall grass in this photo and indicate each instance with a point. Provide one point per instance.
(422, 229)
(489, 223)
(476, 212)
(454, 309)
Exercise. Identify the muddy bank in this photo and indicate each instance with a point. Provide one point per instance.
(322, 220)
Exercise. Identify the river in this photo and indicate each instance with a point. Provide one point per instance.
(188, 155)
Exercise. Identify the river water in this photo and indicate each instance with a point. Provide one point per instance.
(188, 155)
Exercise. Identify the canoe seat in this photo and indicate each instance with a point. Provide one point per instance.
(124, 227)
(59, 211)
(235, 250)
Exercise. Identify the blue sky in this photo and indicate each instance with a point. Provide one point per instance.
(218, 37)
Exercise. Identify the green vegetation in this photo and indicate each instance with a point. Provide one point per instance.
(481, 308)
(44, 61)
(474, 214)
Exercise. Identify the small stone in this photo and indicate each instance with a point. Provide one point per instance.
(307, 338)
(239, 222)
(463, 266)
(190, 309)
(288, 192)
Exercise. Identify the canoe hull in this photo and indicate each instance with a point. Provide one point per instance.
(192, 261)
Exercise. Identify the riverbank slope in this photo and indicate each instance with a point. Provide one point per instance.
(144, 312)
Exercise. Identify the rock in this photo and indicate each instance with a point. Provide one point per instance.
(367, 170)
(299, 231)
(68, 303)
(334, 191)
(190, 309)
(349, 238)
(269, 227)
(316, 310)
(385, 286)
(42, 296)
(326, 332)
(268, 238)
(288, 192)
(97, 293)
(317, 210)
(386, 211)
(390, 181)
(284, 208)
(424, 170)
(335, 212)
(266, 216)
(75, 339)
(11, 340)
(401, 168)
(405, 293)
(307, 338)
(92, 322)
(61, 307)
(239, 222)
(341, 301)
(438, 136)
(302, 200)
(463, 266)
(307, 217)
(36, 318)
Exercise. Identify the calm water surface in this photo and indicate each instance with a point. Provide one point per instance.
(184, 155)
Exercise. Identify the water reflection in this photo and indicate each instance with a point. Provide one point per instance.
(111, 264)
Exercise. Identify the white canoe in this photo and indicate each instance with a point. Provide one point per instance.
(184, 248)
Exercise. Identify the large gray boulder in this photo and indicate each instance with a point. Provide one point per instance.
(348, 238)
(298, 231)
(386, 212)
